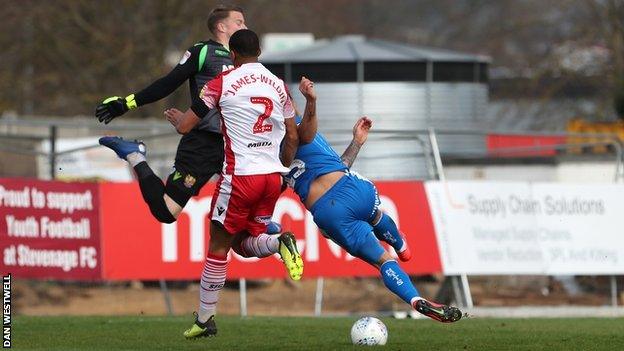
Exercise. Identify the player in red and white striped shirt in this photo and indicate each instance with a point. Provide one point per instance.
(257, 118)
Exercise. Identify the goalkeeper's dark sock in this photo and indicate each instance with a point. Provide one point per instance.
(397, 281)
(153, 191)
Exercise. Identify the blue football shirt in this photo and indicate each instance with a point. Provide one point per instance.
(312, 161)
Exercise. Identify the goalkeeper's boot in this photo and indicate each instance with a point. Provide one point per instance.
(122, 147)
(201, 330)
(441, 313)
(290, 255)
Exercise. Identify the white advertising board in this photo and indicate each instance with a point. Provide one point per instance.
(488, 228)
(97, 162)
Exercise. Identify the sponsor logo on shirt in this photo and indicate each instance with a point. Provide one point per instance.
(222, 53)
(177, 175)
(185, 57)
(260, 144)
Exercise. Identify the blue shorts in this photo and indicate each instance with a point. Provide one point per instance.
(343, 214)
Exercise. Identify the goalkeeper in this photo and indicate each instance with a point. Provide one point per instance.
(200, 152)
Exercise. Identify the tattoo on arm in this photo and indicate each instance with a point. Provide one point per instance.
(310, 109)
(349, 155)
(309, 124)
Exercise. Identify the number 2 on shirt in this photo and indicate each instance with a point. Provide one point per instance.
(259, 127)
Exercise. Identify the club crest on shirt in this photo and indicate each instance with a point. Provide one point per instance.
(189, 181)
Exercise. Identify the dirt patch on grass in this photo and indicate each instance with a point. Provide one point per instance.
(284, 297)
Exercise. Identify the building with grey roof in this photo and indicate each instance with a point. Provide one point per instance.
(402, 88)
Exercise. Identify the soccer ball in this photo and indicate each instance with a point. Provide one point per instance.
(369, 331)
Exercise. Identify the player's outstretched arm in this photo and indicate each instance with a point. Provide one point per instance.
(166, 85)
(290, 143)
(309, 124)
(182, 121)
(116, 106)
(360, 134)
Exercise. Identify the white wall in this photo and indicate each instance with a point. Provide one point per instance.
(502, 172)
(578, 171)
(586, 172)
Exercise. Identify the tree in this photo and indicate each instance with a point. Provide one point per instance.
(608, 17)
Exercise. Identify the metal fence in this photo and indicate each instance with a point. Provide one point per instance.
(412, 155)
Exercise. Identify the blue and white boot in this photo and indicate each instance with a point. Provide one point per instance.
(122, 147)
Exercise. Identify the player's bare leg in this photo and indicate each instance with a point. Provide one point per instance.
(172, 206)
(212, 281)
(397, 281)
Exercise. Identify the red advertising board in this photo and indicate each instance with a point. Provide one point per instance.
(136, 246)
(504, 145)
(49, 229)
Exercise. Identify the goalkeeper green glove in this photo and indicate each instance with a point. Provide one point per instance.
(114, 106)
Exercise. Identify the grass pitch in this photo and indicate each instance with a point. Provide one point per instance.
(279, 333)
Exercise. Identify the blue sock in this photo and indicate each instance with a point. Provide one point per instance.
(398, 282)
(274, 228)
(387, 231)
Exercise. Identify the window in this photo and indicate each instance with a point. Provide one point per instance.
(454, 72)
(329, 72)
(395, 71)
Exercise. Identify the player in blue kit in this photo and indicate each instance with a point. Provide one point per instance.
(345, 207)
